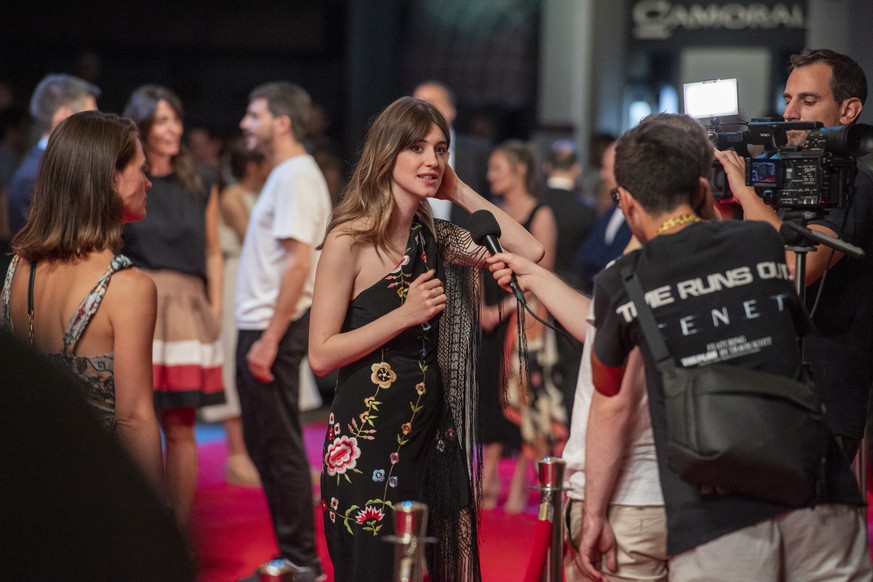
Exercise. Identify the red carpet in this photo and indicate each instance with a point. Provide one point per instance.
(232, 534)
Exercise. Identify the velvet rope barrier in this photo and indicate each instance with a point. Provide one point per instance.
(539, 550)
(545, 558)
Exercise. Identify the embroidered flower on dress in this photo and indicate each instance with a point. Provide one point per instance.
(392, 482)
(406, 428)
(330, 419)
(382, 375)
(368, 513)
(332, 516)
(394, 458)
(334, 503)
(342, 455)
(420, 388)
(379, 475)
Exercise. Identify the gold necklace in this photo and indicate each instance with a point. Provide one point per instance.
(677, 221)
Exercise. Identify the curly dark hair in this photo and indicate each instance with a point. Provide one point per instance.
(660, 161)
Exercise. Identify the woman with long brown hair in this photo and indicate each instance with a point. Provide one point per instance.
(395, 308)
(177, 245)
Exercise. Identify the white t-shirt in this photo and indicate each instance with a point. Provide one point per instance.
(294, 204)
(638, 483)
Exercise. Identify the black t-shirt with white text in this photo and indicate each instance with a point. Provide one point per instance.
(720, 292)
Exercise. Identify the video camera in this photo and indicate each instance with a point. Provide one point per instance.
(817, 175)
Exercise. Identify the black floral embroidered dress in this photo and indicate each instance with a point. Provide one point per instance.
(382, 426)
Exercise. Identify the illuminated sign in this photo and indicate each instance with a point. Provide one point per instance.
(660, 19)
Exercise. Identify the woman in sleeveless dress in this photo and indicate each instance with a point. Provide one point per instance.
(69, 294)
(250, 170)
(177, 246)
(395, 308)
(534, 407)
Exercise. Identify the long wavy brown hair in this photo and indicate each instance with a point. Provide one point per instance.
(141, 108)
(365, 210)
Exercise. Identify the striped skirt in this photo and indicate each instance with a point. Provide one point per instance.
(187, 352)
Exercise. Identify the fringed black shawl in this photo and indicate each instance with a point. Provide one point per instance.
(454, 481)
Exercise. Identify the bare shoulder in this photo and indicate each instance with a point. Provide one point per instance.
(543, 226)
(545, 215)
(133, 286)
(343, 259)
(339, 240)
(232, 194)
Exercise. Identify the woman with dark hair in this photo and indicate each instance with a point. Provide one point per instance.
(90, 182)
(177, 245)
(249, 169)
(395, 308)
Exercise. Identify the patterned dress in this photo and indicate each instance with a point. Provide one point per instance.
(390, 426)
(96, 372)
(538, 402)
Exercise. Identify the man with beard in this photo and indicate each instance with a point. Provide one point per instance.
(831, 88)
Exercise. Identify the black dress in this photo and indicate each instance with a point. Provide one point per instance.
(391, 428)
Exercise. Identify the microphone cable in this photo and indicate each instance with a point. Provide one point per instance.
(548, 324)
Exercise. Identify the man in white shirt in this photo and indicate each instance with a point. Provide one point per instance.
(273, 296)
(636, 507)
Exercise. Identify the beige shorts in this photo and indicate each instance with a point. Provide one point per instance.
(826, 543)
(641, 543)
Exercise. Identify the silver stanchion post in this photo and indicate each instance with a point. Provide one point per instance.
(281, 570)
(410, 526)
(551, 475)
(276, 570)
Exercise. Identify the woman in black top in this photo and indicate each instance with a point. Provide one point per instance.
(178, 247)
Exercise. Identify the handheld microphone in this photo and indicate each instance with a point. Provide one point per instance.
(486, 233)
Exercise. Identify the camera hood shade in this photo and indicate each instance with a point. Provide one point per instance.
(848, 140)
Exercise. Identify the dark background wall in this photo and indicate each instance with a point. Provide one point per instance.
(211, 53)
(356, 56)
(353, 56)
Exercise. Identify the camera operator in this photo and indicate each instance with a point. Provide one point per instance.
(830, 88)
(711, 535)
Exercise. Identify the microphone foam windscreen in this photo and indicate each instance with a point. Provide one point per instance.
(482, 224)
